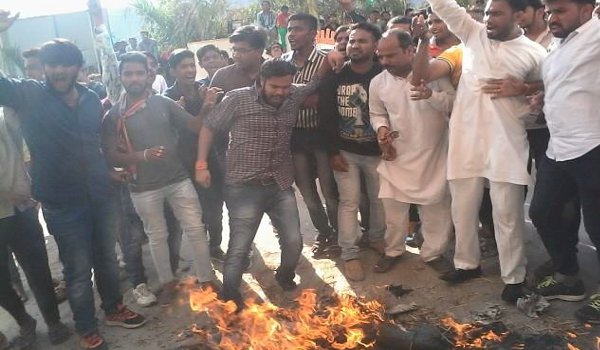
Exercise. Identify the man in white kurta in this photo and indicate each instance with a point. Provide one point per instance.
(418, 172)
(488, 142)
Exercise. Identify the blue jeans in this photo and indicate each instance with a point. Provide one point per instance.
(131, 238)
(85, 235)
(183, 200)
(246, 205)
(349, 188)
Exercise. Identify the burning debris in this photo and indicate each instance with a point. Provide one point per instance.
(339, 322)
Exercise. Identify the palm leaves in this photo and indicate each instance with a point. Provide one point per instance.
(178, 22)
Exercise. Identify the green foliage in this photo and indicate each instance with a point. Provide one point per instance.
(178, 22)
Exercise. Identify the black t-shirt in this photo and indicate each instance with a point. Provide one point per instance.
(344, 109)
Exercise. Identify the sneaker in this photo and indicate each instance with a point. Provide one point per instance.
(319, 248)
(125, 318)
(58, 333)
(590, 313)
(385, 263)
(460, 275)
(143, 296)
(285, 284)
(92, 341)
(168, 294)
(217, 254)
(512, 292)
(551, 289)
(353, 270)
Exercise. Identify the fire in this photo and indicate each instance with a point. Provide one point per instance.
(468, 336)
(340, 324)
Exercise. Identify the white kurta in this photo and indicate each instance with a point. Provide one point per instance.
(487, 137)
(418, 174)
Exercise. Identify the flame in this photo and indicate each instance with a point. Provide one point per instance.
(264, 326)
(467, 336)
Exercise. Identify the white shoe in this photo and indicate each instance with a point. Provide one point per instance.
(143, 296)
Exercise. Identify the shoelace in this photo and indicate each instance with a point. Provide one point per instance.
(595, 302)
(547, 282)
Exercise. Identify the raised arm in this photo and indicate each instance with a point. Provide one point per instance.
(456, 17)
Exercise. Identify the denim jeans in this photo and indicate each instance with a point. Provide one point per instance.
(131, 238)
(349, 187)
(304, 167)
(23, 234)
(557, 187)
(183, 200)
(85, 235)
(246, 205)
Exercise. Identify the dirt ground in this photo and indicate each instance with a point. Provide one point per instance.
(433, 297)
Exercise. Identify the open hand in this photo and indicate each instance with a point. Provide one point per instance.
(420, 92)
(420, 29)
(6, 21)
(508, 87)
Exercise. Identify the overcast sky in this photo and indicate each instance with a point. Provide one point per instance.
(31, 8)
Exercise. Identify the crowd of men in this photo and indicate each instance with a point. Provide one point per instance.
(425, 122)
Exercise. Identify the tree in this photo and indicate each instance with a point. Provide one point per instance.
(178, 22)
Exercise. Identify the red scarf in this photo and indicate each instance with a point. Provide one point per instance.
(125, 144)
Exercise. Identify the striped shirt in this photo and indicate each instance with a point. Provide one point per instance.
(307, 117)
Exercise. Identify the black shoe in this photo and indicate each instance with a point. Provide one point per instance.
(217, 254)
(385, 263)
(27, 336)
(551, 289)
(286, 284)
(58, 333)
(460, 275)
(590, 313)
(512, 292)
(319, 248)
(440, 265)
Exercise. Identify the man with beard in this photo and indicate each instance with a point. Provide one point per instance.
(311, 162)
(60, 120)
(571, 166)
(259, 168)
(352, 144)
(140, 132)
(187, 90)
(412, 130)
(488, 142)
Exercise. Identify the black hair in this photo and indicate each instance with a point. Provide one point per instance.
(206, 49)
(284, 8)
(133, 57)
(61, 52)
(224, 54)
(399, 20)
(369, 27)
(517, 5)
(255, 37)
(404, 39)
(276, 67)
(535, 4)
(268, 2)
(580, 2)
(31, 53)
(179, 55)
(343, 28)
(309, 20)
(408, 10)
(150, 55)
